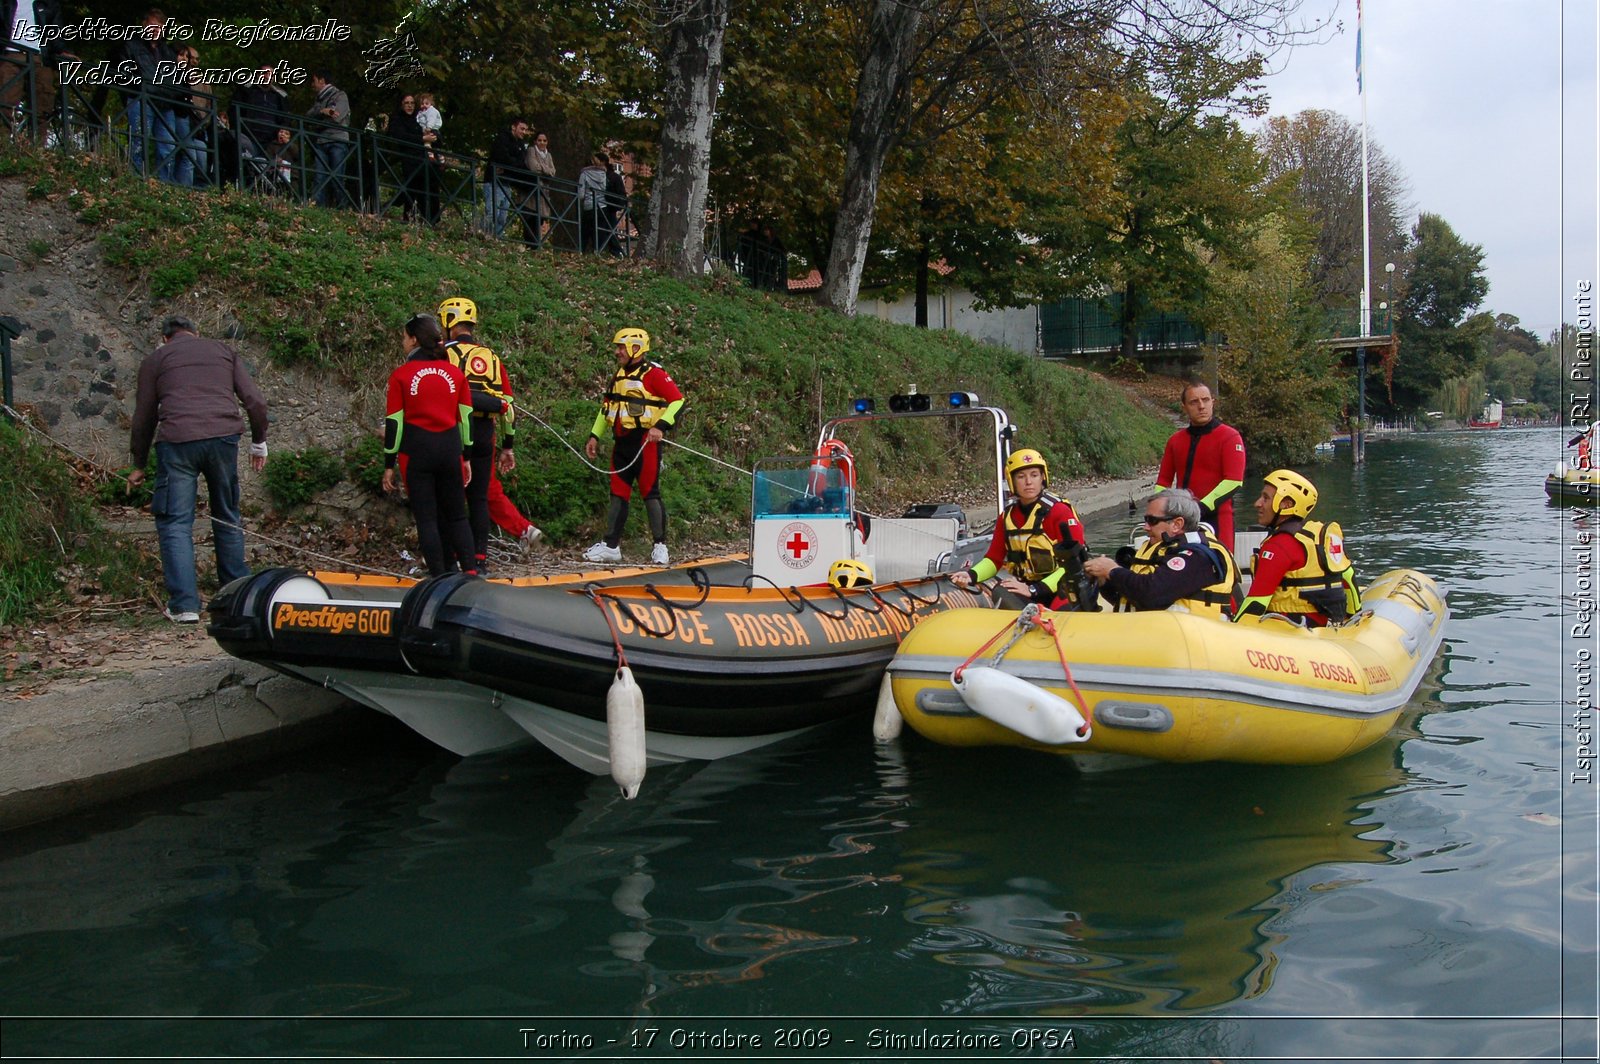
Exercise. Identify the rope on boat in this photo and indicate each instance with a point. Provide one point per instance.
(1032, 616)
(593, 594)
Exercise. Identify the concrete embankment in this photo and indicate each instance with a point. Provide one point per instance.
(170, 706)
(100, 737)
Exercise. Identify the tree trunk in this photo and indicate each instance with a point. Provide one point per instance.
(922, 287)
(1130, 322)
(676, 237)
(880, 95)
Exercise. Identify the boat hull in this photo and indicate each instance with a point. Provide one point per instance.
(1179, 687)
(713, 662)
(481, 666)
(1575, 487)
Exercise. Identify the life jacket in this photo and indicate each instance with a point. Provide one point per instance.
(1320, 585)
(628, 404)
(481, 367)
(1030, 553)
(1218, 598)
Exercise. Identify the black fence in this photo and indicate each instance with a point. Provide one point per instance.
(196, 140)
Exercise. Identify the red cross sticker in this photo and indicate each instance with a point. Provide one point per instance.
(797, 545)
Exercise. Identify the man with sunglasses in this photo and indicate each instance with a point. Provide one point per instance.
(1182, 562)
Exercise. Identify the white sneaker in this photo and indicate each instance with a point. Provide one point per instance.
(529, 537)
(182, 617)
(658, 554)
(602, 553)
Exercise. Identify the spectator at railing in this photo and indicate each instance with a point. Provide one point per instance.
(543, 167)
(593, 225)
(330, 139)
(505, 182)
(261, 111)
(151, 113)
(417, 198)
(616, 206)
(28, 78)
(199, 113)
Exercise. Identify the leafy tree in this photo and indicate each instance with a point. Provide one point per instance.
(1190, 185)
(1321, 152)
(931, 56)
(1440, 337)
(1282, 389)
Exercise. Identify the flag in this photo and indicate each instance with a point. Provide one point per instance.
(1358, 48)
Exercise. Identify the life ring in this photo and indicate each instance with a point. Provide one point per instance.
(831, 455)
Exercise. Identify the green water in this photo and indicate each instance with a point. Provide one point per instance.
(1432, 897)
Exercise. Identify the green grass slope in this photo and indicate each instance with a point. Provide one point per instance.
(760, 372)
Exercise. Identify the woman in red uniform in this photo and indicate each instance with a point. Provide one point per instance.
(1035, 539)
(427, 425)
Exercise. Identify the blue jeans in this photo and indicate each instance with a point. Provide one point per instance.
(496, 207)
(330, 156)
(178, 467)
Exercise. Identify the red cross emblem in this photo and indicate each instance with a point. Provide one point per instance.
(797, 544)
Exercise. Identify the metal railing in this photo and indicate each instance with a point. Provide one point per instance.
(195, 141)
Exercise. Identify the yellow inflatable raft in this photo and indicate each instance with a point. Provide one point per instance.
(1169, 685)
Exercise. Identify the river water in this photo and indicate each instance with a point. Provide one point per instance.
(1431, 897)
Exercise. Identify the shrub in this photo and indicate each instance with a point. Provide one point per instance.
(46, 527)
(294, 478)
(363, 464)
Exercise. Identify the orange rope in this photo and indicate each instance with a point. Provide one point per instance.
(978, 653)
(1083, 707)
(616, 640)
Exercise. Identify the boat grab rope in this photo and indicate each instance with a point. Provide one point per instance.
(616, 638)
(697, 576)
(1028, 619)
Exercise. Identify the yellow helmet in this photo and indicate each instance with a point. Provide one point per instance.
(637, 341)
(456, 310)
(1026, 459)
(848, 573)
(1295, 495)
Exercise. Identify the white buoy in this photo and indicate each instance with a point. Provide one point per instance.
(1014, 703)
(886, 721)
(625, 732)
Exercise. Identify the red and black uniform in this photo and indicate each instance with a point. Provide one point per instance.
(1199, 458)
(427, 425)
(641, 396)
(1033, 542)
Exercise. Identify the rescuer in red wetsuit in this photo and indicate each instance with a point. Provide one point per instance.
(1035, 539)
(640, 406)
(428, 407)
(1208, 459)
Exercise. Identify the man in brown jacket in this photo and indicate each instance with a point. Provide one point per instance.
(188, 404)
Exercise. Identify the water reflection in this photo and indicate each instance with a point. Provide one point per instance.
(828, 877)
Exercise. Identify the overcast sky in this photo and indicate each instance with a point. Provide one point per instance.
(1472, 99)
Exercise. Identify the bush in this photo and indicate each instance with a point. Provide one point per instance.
(363, 464)
(47, 527)
(114, 492)
(294, 478)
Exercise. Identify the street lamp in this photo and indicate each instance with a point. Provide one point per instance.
(1388, 292)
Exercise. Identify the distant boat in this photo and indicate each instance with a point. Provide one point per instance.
(1490, 419)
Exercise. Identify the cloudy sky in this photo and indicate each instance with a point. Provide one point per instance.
(1480, 102)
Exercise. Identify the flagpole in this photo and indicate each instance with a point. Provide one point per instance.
(1358, 438)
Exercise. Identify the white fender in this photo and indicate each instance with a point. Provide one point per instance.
(886, 721)
(625, 732)
(1014, 703)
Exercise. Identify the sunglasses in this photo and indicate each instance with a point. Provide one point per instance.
(1154, 519)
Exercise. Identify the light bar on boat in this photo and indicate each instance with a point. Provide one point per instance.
(910, 404)
(962, 400)
(864, 405)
